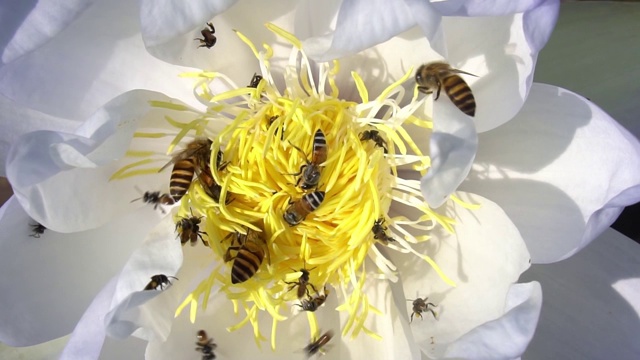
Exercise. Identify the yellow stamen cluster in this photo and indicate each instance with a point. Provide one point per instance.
(263, 129)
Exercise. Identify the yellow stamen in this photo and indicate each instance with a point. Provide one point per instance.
(267, 144)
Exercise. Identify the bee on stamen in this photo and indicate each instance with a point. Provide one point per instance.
(310, 171)
(298, 210)
(374, 135)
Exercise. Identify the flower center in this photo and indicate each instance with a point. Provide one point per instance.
(297, 188)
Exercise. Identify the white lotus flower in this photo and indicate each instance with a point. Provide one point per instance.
(84, 160)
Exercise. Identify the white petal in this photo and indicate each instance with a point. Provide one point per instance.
(26, 25)
(93, 61)
(562, 169)
(496, 51)
(53, 173)
(231, 55)
(88, 336)
(591, 302)
(484, 257)
(562, 63)
(16, 120)
(381, 19)
(397, 340)
(162, 21)
(508, 336)
(483, 7)
(161, 253)
(453, 147)
(44, 351)
(54, 277)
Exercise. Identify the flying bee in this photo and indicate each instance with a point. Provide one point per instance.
(205, 345)
(251, 250)
(302, 283)
(255, 80)
(194, 158)
(159, 281)
(315, 346)
(380, 231)
(433, 76)
(208, 39)
(313, 303)
(311, 169)
(156, 199)
(188, 229)
(374, 135)
(298, 210)
(420, 306)
(37, 229)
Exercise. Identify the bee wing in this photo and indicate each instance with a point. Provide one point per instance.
(185, 154)
(462, 72)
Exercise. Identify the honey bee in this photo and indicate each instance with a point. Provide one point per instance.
(311, 169)
(313, 303)
(208, 39)
(251, 250)
(302, 283)
(298, 210)
(194, 158)
(420, 306)
(255, 80)
(205, 345)
(433, 76)
(315, 346)
(159, 281)
(374, 135)
(156, 199)
(188, 229)
(37, 229)
(380, 231)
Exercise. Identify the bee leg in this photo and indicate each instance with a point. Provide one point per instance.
(411, 317)
(213, 30)
(435, 314)
(227, 256)
(313, 287)
(438, 92)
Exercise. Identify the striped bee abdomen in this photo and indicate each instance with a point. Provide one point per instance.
(460, 94)
(181, 177)
(246, 262)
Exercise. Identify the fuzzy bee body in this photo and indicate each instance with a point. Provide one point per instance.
(188, 229)
(313, 303)
(37, 229)
(437, 75)
(251, 251)
(208, 39)
(157, 199)
(374, 135)
(380, 231)
(420, 306)
(302, 283)
(205, 345)
(194, 158)
(311, 170)
(255, 81)
(159, 281)
(315, 346)
(298, 210)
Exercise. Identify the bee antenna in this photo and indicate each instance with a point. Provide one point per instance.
(135, 199)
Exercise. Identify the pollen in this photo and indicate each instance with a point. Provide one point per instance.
(307, 184)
